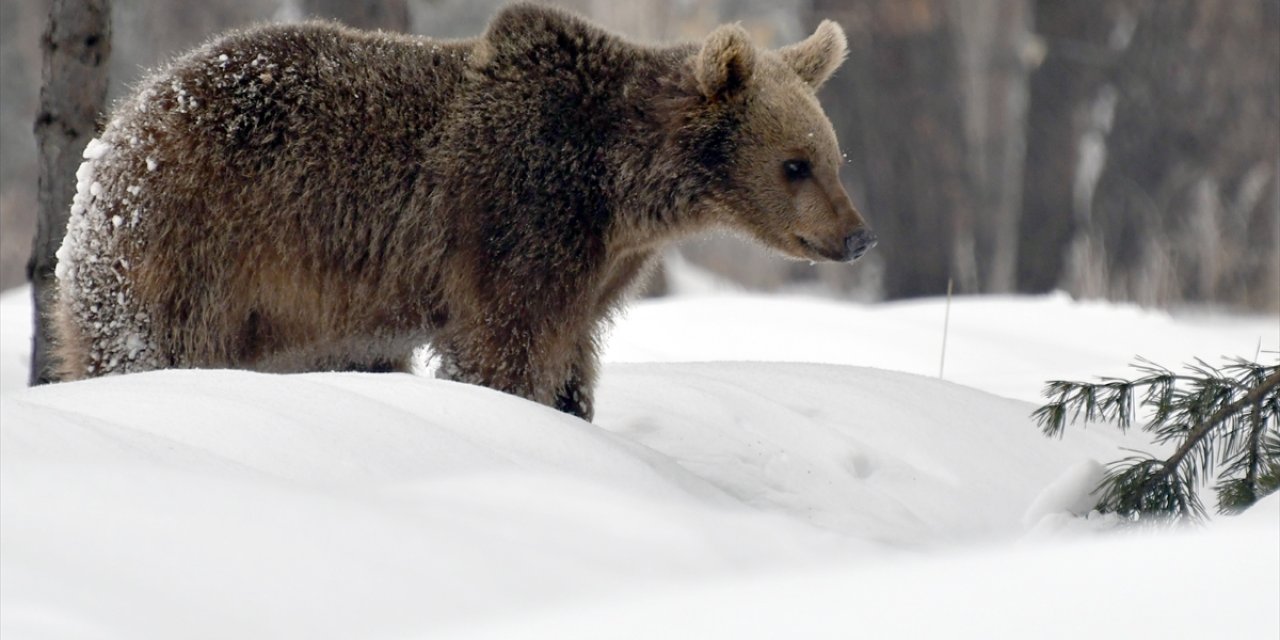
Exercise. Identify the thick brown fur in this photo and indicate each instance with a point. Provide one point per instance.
(309, 197)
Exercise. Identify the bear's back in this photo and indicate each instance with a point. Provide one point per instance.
(252, 135)
(318, 88)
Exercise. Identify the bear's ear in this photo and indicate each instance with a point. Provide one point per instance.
(726, 62)
(818, 56)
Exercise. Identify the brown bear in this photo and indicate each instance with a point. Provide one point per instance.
(310, 197)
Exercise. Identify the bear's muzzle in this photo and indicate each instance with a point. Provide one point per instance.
(859, 243)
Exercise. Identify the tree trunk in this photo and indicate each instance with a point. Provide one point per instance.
(905, 138)
(76, 46)
(1081, 42)
(995, 49)
(388, 15)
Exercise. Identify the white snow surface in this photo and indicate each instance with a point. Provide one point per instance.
(1006, 345)
(831, 496)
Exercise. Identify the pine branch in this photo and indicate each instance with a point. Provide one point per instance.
(1255, 446)
(1198, 433)
(1217, 416)
(1143, 486)
(1261, 475)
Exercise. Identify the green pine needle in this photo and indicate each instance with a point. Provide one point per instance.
(1224, 419)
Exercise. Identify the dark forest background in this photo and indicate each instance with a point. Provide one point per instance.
(1122, 149)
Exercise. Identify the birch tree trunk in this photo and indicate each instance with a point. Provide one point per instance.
(76, 45)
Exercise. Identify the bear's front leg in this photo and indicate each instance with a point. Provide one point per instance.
(545, 366)
(576, 391)
(575, 396)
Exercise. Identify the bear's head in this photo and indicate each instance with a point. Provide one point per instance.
(777, 153)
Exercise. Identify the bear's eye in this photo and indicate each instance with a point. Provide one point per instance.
(796, 170)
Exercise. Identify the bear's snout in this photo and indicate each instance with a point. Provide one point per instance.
(859, 243)
(840, 249)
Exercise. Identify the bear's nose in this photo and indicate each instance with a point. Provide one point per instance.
(858, 243)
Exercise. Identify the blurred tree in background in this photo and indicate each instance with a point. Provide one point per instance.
(1186, 205)
(75, 49)
(1063, 131)
(1126, 149)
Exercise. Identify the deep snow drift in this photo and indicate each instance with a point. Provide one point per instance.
(719, 499)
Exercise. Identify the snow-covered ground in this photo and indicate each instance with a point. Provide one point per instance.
(1005, 345)
(760, 467)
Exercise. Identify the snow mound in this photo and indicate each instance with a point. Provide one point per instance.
(712, 499)
(880, 455)
(357, 505)
(338, 505)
